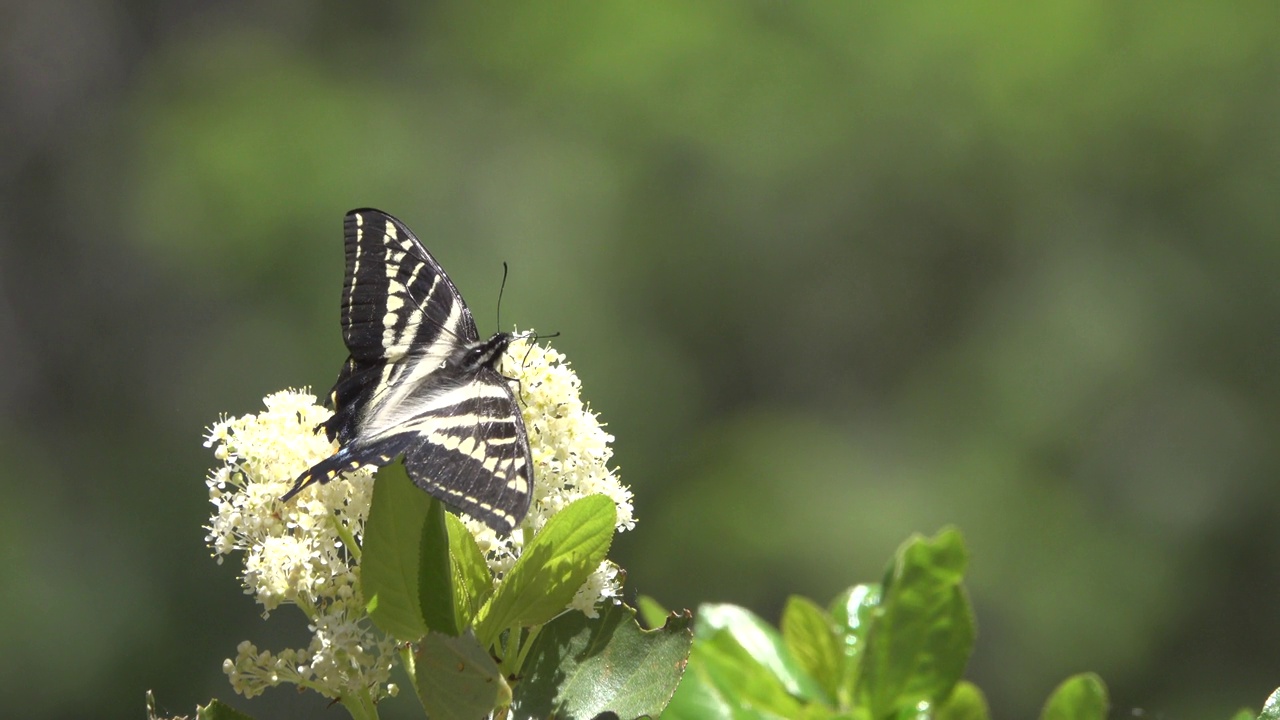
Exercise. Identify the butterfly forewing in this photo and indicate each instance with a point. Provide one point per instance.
(397, 299)
(409, 387)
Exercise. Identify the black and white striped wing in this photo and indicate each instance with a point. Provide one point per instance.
(475, 455)
(420, 383)
(402, 318)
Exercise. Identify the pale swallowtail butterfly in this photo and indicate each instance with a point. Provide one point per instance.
(420, 382)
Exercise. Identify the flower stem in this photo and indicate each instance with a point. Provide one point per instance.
(361, 706)
(347, 537)
(524, 648)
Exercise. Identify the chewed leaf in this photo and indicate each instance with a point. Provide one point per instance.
(580, 667)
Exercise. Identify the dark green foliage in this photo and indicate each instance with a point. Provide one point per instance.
(580, 667)
(456, 679)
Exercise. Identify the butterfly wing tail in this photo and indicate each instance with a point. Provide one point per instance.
(322, 472)
(347, 459)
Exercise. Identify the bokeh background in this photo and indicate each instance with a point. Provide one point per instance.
(833, 273)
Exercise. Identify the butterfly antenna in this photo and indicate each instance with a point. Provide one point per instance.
(533, 339)
(501, 289)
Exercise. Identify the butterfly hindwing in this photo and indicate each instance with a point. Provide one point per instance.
(420, 383)
(475, 457)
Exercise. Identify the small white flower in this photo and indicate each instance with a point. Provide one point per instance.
(603, 585)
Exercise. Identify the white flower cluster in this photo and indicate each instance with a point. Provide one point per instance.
(306, 552)
(571, 456)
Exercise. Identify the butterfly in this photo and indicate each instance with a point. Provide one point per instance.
(420, 383)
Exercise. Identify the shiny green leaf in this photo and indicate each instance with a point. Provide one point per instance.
(735, 627)
(472, 581)
(815, 642)
(551, 568)
(921, 634)
(966, 703)
(724, 682)
(853, 611)
(1271, 708)
(1081, 697)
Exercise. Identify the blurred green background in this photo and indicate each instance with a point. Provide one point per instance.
(833, 273)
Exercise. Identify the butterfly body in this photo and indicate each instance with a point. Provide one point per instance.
(419, 381)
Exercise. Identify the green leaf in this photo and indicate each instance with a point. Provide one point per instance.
(472, 581)
(966, 703)
(1271, 708)
(815, 642)
(652, 612)
(580, 667)
(1081, 697)
(921, 634)
(218, 710)
(741, 668)
(389, 560)
(551, 568)
(455, 678)
(1247, 714)
(724, 682)
(435, 573)
(762, 643)
(853, 611)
